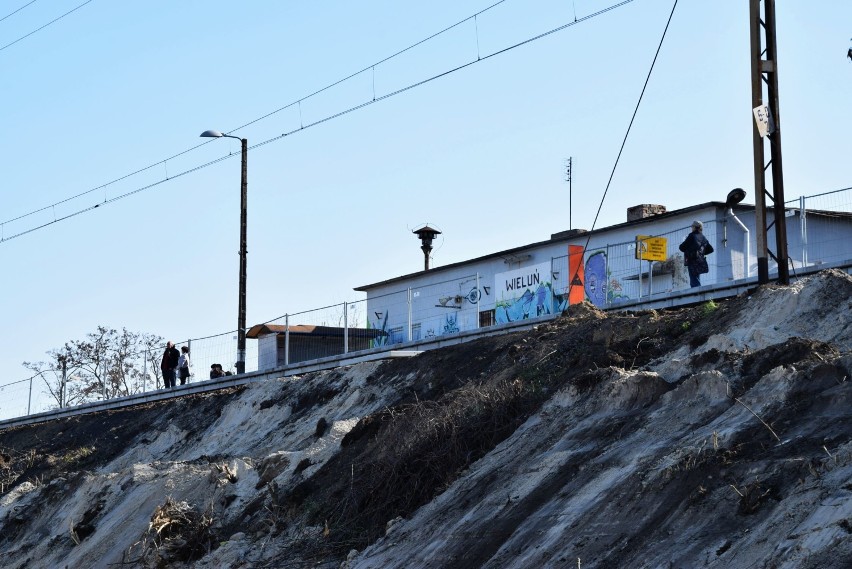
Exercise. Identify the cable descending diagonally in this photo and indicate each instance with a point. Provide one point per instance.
(575, 277)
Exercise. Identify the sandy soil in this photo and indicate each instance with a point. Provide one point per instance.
(710, 436)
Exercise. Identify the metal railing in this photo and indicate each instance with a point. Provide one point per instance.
(612, 275)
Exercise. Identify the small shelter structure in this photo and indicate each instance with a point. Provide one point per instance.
(280, 345)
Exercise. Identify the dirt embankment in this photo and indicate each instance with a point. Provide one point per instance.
(716, 435)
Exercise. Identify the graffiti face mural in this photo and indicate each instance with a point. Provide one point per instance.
(596, 279)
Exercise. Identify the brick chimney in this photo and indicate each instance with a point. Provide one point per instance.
(644, 210)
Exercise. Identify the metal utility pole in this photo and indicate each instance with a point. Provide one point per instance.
(241, 319)
(767, 124)
(241, 314)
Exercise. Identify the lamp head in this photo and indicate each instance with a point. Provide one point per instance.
(735, 196)
(211, 134)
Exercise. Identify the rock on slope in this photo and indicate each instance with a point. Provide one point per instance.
(713, 436)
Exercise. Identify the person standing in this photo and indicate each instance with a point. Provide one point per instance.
(694, 248)
(183, 365)
(169, 364)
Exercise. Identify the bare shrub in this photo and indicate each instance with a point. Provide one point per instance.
(177, 533)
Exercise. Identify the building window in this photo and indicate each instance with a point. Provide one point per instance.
(415, 331)
(486, 318)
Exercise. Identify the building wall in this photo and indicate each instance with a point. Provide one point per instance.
(820, 239)
(446, 301)
(461, 297)
(267, 352)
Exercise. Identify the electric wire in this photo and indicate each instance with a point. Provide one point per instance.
(367, 68)
(318, 122)
(258, 119)
(44, 26)
(624, 141)
(18, 10)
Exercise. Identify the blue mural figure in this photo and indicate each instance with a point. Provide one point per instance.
(596, 279)
(560, 302)
(541, 305)
(382, 339)
(451, 325)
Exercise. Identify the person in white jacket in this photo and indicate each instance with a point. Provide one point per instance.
(183, 365)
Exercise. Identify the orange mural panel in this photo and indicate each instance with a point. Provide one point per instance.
(576, 292)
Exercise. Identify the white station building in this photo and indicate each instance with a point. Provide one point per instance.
(623, 263)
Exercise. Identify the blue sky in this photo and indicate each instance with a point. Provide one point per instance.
(118, 86)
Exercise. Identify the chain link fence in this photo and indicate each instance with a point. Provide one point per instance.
(820, 220)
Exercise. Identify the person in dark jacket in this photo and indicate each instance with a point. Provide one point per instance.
(169, 364)
(694, 248)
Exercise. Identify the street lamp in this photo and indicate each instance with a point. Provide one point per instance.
(241, 317)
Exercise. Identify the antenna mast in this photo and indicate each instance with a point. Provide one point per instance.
(568, 166)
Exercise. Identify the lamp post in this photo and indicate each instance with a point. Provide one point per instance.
(241, 317)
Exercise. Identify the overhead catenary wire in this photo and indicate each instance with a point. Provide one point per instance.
(53, 21)
(297, 102)
(4, 238)
(18, 10)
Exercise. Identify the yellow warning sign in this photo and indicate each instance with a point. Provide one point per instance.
(650, 248)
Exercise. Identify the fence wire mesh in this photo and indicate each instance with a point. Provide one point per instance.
(820, 221)
(446, 307)
(387, 318)
(616, 273)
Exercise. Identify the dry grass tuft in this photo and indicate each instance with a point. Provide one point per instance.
(177, 533)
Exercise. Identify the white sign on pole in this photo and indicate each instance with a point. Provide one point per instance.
(763, 120)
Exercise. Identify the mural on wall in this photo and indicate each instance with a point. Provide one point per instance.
(596, 278)
(451, 324)
(523, 293)
(601, 287)
(381, 340)
(573, 292)
(475, 293)
(560, 302)
(577, 274)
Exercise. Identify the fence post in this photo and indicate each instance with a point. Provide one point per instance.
(606, 275)
(30, 399)
(803, 227)
(64, 382)
(639, 257)
(286, 339)
(478, 297)
(345, 327)
(650, 279)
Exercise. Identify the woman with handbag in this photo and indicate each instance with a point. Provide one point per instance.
(694, 248)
